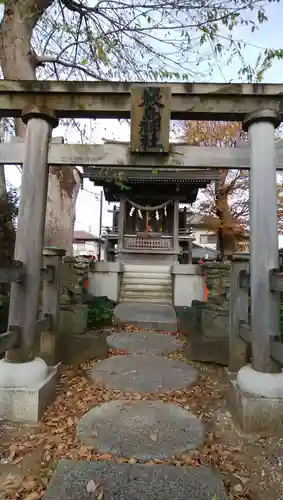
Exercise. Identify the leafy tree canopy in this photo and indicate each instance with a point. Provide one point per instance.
(144, 39)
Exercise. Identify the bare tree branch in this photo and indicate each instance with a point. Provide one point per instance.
(41, 60)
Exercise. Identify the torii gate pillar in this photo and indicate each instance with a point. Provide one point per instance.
(261, 378)
(27, 384)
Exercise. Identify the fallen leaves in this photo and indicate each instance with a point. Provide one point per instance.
(117, 352)
(26, 489)
(133, 329)
(56, 434)
(55, 437)
(33, 496)
(12, 452)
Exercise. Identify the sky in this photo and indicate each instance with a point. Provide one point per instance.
(87, 215)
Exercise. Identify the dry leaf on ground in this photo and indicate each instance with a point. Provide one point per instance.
(33, 496)
(100, 494)
(153, 436)
(91, 486)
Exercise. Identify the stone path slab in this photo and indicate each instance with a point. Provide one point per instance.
(146, 315)
(75, 480)
(143, 430)
(144, 342)
(143, 374)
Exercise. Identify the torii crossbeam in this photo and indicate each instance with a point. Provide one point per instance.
(115, 156)
(190, 101)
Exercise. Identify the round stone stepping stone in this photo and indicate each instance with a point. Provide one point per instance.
(143, 374)
(73, 480)
(143, 430)
(144, 342)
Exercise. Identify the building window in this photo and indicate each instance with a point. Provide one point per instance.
(208, 239)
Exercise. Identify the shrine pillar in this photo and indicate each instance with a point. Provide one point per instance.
(121, 223)
(176, 247)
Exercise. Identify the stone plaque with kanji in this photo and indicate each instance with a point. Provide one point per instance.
(150, 118)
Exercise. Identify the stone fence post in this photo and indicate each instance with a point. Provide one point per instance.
(215, 314)
(239, 311)
(51, 304)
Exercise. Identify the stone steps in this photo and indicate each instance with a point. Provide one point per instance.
(145, 343)
(148, 278)
(142, 283)
(152, 280)
(143, 430)
(141, 268)
(77, 480)
(141, 299)
(146, 292)
(149, 315)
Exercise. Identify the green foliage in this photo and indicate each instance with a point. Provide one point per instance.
(145, 39)
(100, 313)
(281, 318)
(265, 61)
(4, 312)
(8, 215)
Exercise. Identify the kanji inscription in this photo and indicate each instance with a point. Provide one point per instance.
(150, 119)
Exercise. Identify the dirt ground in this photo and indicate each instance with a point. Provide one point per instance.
(251, 467)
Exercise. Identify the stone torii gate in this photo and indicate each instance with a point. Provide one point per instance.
(259, 107)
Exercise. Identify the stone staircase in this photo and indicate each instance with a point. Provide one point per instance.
(141, 283)
(140, 430)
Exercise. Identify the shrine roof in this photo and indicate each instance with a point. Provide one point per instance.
(153, 175)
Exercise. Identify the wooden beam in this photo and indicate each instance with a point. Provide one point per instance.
(212, 101)
(110, 155)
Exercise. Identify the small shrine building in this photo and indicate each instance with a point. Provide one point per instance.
(149, 247)
(148, 225)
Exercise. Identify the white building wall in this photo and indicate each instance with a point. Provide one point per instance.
(105, 281)
(202, 234)
(89, 247)
(188, 284)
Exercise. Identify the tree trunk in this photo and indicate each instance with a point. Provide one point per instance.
(63, 190)
(18, 63)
